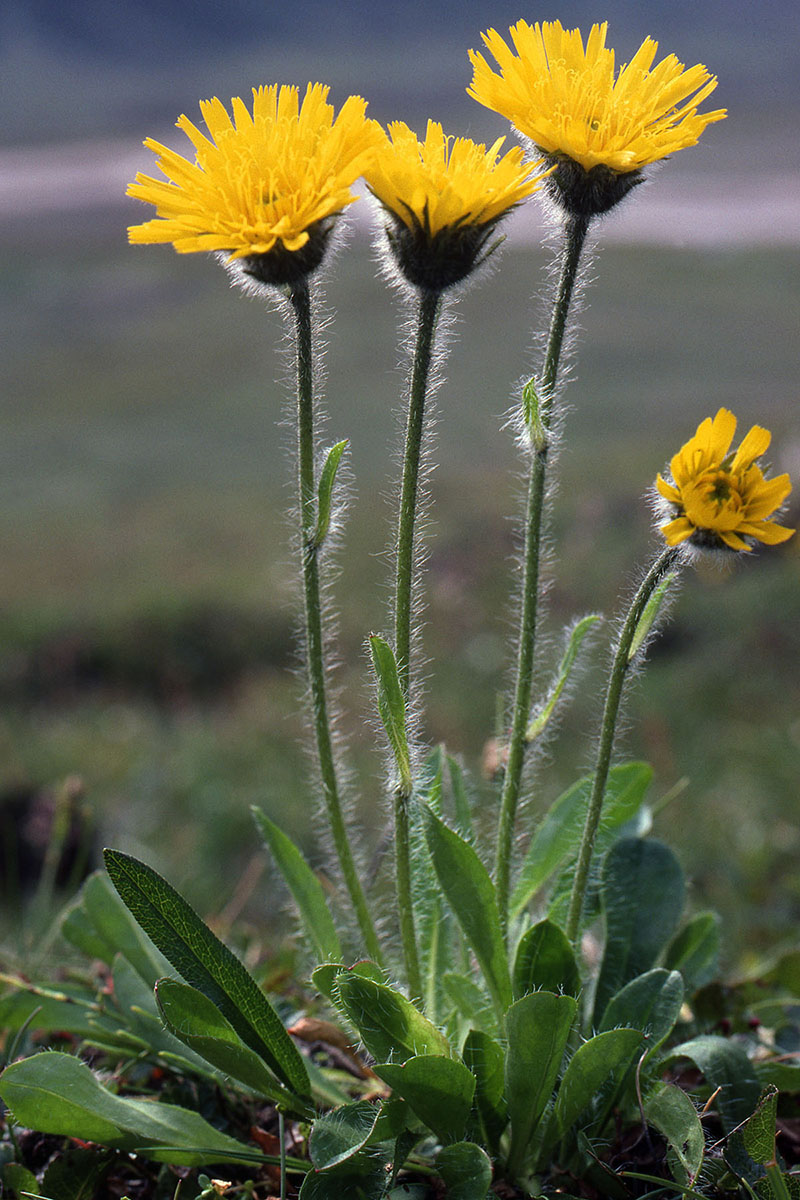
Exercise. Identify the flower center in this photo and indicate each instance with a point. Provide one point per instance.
(714, 500)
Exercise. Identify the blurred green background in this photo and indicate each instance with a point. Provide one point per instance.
(147, 603)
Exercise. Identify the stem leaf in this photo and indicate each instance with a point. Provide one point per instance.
(392, 707)
(574, 642)
(327, 479)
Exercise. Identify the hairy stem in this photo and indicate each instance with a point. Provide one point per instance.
(314, 646)
(574, 238)
(619, 671)
(405, 907)
(427, 315)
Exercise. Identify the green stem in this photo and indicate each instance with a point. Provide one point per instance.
(428, 313)
(574, 238)
(619, 671)
(405, 907)
(301, 303)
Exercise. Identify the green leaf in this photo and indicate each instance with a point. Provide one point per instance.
(651, 1002)
(48, 1009)
(207, 964)
(76, 1174)
(341, 1133)
(18, 1179)
(429, 783)
(537, 1028)
(361, 1179)
(197, 1022)
(56, 1093)
(559, 834)
(438, 1090)
(471, 1001)
(392, 707)
(650, 614)
(643, 895)
(433, 923)
(119, 930)
(327, 478)
(758, 1132)
(575, 637)
(137, 1005)
(593, 1067)
(725, 1065)
(465, 1170)
(669, 1110)
(534, 412)
(324, 977)
(306, 889)
(80, 931)
(694, 951)
(485, 1058)
(471, 895)
(391, 1027)
(462, 809)
(545, 961)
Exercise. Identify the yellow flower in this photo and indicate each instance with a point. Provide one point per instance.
(445, 196)
(565, 98)
(269, 184)
(719, 498)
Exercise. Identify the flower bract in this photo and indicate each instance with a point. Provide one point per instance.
(444, 196)
(564, 96)
(720, 498)
(264, 184)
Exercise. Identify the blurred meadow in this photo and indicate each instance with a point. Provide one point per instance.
(147, 604)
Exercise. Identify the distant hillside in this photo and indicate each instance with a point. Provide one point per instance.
(89, 68)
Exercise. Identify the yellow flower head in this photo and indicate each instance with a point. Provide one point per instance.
(565, 98)
(718, 498)
(444, 197)
(263, 188)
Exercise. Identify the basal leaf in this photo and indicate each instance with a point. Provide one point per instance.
(306, 889)
(727, 1067)
(439, 1090)
(651, 1002)
(537, 1028)
(694, 950)
(545, 961)
(208, 965)
(197, 1022)
(391, 1027)
(56, 1093)
(471, 895)
(594, 1067)
(338, 1135)
(559, 834)
(669, 1110)
(465, 1170)
(485, 1058)
(643, 896)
